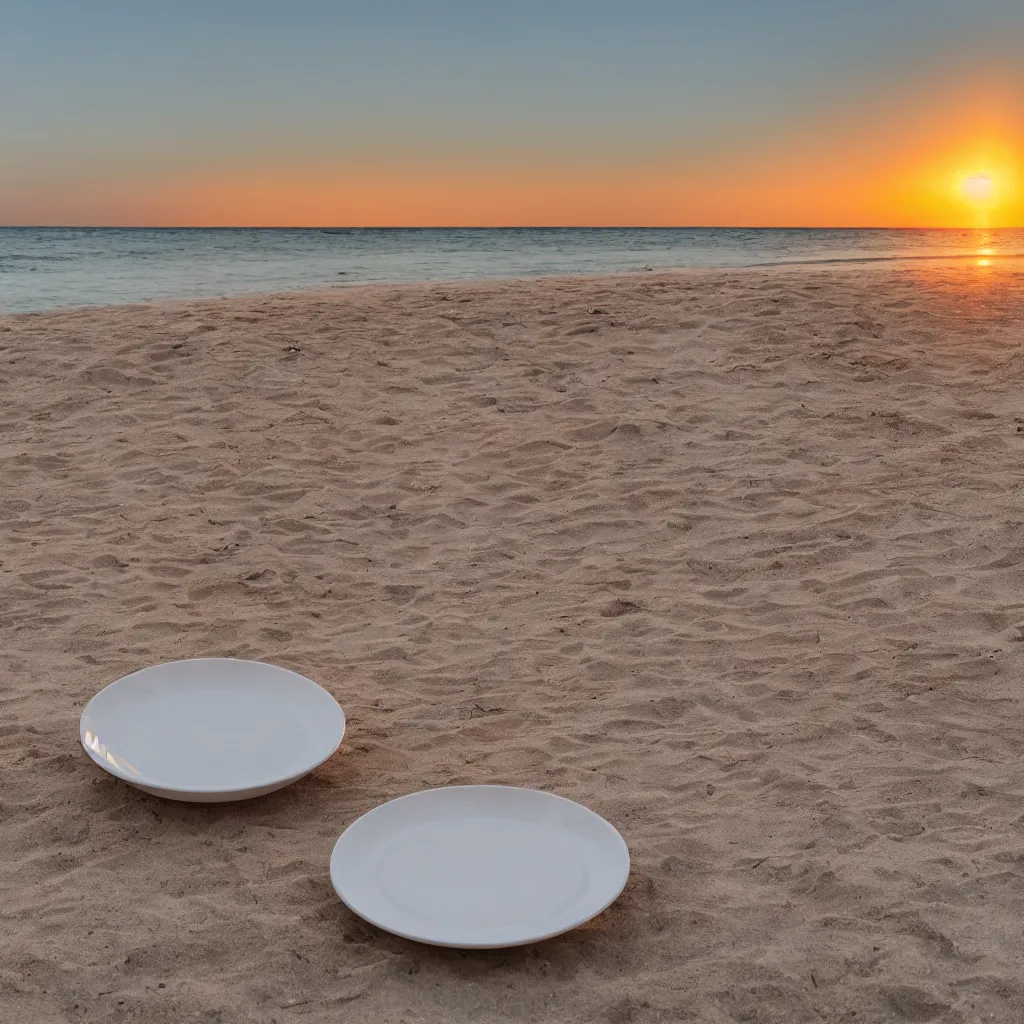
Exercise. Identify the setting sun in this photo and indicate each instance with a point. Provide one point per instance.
(978, 187)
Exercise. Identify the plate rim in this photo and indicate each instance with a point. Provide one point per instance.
(484, 945)
(151, 783)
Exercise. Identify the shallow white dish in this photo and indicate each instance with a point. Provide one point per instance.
(479, 867)
(211, 729)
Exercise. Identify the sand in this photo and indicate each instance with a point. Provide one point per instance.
(733, 558)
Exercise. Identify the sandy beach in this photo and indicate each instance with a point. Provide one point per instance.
(733, 558)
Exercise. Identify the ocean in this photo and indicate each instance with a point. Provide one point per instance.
(51, 268)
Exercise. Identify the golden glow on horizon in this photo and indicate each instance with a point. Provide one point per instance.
(985, 179)
(988, 191)
(924, 159)
(976, 184)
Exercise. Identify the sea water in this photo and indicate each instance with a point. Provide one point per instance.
(50, 268)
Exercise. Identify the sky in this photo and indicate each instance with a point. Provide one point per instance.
(533, 112)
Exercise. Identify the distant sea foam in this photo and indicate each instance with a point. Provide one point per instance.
(49, 268)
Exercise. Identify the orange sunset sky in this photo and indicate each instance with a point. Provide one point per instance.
(924, 129)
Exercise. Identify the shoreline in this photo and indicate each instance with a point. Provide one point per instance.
(882, 264)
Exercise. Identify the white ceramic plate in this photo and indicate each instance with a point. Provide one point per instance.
(212, 729)
(479, 867)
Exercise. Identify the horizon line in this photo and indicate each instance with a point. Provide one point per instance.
(499, 227)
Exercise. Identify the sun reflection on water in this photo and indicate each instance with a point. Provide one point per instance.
(985, 250)
(985, 279)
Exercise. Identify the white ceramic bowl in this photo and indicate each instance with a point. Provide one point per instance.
(211, 730)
